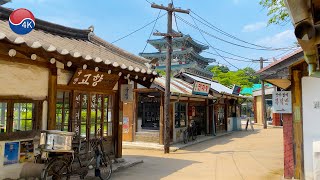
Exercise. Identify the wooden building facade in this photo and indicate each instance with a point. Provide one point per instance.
(213, 114)
(60, 78)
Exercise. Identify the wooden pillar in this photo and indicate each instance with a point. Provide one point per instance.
(135, 111)
(118, 105)
(161, 130)
(52, 98)
(297, 124)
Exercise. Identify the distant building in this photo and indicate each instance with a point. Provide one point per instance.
(186, 56)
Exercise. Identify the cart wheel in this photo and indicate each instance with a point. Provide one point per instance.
(58, 169)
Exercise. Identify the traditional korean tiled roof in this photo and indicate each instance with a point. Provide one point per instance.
(188, 51)
(75, 42)
(188, 38)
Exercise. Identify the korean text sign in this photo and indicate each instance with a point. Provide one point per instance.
(282, 102)
(200, 88)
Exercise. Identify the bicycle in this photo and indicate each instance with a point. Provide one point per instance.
(190, 132)
(63, 165)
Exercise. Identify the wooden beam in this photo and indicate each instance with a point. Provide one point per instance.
(297, 124)
(52, 98)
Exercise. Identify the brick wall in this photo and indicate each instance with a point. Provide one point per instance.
(288, 146)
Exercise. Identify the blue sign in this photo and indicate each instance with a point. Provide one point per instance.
(11, 153)
(22, 21)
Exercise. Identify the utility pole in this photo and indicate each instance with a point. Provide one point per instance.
(169, 35)
(263, 99)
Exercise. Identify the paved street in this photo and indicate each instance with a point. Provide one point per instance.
(241, 155)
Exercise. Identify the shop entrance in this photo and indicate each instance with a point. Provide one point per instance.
(220, 118)
(149, 111)
(85, 113)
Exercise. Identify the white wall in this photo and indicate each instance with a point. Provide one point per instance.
(24, 80)
(311, 121)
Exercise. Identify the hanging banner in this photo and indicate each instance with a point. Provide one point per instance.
(200, 88)
(126, 93)
(282, 102)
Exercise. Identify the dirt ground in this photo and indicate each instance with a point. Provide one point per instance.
(241, 155)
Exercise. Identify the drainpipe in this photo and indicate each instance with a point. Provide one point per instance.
(305, 31)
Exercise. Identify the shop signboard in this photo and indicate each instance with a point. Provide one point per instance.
(281, 102)
(126, 93)
(200, 88)
(93, 79)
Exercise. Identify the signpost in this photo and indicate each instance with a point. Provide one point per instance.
(200, 88)
(282, 102)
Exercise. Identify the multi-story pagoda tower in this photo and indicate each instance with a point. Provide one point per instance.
(185, 57)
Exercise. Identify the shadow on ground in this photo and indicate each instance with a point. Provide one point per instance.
(157, 168)
(218, 141)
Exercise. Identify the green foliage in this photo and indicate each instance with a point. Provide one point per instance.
(276, 11)
(243, 77)
(161, 72)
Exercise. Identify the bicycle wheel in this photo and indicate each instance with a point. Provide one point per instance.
(105, 168)
(57, 169)
(185, 137)
(194, 134)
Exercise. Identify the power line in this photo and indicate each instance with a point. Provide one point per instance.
(208, 24)
(148, 2)
(151, 32)
(229, 57)
(146, 25)
(211, 35)
(211, 45)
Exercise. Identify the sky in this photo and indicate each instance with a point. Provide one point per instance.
(113, 19)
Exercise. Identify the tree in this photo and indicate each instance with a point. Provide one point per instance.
(276, 10)
(243, 77)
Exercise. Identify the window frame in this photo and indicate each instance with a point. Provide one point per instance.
(178, 104)
(36, 117)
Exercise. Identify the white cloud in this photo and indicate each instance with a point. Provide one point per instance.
(282, 39)
(254, 27)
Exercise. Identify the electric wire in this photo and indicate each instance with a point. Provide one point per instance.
(216, 37)
(211, 26)
(151, 32)
(212, 46)
(241, 60)
(146, 25)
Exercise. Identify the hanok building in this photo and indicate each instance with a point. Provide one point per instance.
(186, 56)
(60, 78)
(215, 110)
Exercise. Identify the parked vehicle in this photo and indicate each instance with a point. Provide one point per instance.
(64, 163)
(190, 132)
